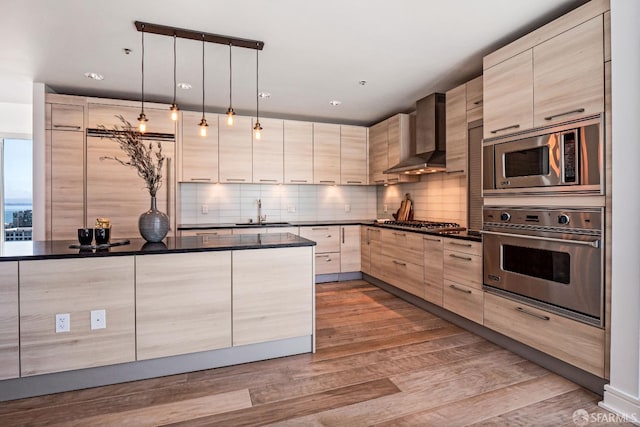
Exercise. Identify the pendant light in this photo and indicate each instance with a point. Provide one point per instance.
(230, 112)
(142, 118)
(257, 128)
(174, 106)
(203, 123)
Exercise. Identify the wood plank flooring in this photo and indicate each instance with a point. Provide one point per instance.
(379, 361)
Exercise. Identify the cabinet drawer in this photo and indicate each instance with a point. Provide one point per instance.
(404, 275)
(465, 246)
(327, 263)
(463, 268)
(463, 300)
(67, 117)
(327, 238)
(206, 233)
(404, 246)
(576, 343)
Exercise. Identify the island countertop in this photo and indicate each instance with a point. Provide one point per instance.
(56, 249)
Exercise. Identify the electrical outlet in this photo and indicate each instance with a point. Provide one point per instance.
(63, 322)
(98, 319)
(347, 208)
(291, 209)
(204, 209)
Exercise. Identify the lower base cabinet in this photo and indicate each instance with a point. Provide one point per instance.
(465, 301)
(183, 303)
(76, 287)
(574, 342)
(9, 341)
(272, 294)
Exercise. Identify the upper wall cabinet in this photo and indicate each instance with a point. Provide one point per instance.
(378, 152)
(552, 75)
(199, 154)
(298, 152)
(65, 117)
(235, 151)
(268, 167)
(456, 129)
(326, 153)
(353, 155)
(107, 115)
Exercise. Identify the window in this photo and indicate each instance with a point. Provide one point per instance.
(17, 200)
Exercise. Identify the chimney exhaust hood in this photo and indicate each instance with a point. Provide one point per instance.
(430, 155)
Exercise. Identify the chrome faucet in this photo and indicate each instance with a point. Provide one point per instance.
(261, 219)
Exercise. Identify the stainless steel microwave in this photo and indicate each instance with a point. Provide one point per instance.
(566, 158)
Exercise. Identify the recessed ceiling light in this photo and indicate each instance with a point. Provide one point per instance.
(264, 95)
(126, 50)
(362, 82)
(184, 86)
(94, 76)
(335, 103)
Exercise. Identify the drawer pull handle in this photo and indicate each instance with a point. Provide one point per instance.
(343, 235)
(354, 182)
(268, 180)
(466, 245)
(577, 110)
(200, 179)
(455, 288)
(431, 240)
(461, 257)
(328, 257)
(379, 181)
(506, 128)
(400, 263)
(67, 126)
(328, 236)
(319, 228)
(327, 182)
(536, 315)
(236, 179)
(478, 102)
(215, 233)
(393, 179)
(298, 180)
(400, 234)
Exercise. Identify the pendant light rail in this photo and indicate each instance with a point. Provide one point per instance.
(165, 30)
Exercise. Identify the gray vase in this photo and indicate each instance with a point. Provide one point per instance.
(153, 224)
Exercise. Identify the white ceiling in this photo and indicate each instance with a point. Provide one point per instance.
(314, 51)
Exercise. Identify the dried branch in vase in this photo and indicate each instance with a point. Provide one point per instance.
(144, 158)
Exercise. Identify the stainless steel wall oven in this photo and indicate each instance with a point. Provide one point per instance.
(548, 257)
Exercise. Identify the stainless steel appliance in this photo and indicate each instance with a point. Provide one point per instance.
(417, 225)
(551, 258)
(566, 158)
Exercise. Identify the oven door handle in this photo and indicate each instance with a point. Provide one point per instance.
(592, 243)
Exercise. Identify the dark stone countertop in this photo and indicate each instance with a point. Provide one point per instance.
(57, 249)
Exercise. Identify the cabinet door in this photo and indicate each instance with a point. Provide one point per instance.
(463, 268)
(568, 74)
(272, 294)
(375, 252)
(199, 153)
(474, 93)
(327, 238)
(298, 152)
(66, 117)
(183, 303)
(365, 254)
(67, 184)
(117, 192)
(349, 248)
(433, 269)
(235, 151)
(465, 301)
(268, 156)
(456, 128)
(353, 155)
(9, 354)
(508, 96)
(402, 274)
(378, 152)
(105, 114)
(326, 153)
(76, 287)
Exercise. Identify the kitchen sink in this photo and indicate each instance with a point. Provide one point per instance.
(264, 224)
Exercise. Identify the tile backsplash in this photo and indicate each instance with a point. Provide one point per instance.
(437, 197)
(234, 203)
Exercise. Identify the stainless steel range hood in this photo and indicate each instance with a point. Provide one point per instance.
(430, 155)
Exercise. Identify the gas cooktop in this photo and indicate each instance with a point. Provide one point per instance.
(423, 225)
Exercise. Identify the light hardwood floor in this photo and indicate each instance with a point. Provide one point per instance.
(380, 361)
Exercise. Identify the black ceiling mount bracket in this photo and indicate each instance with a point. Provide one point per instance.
(165, 30)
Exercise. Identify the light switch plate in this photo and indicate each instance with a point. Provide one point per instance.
(98, 319)
(204, 209)
(63, 322)
(347, 207)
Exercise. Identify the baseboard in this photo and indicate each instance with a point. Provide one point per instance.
(338, 277)
(626, 407)
(577, 375)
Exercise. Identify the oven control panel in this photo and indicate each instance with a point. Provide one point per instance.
(530, 217)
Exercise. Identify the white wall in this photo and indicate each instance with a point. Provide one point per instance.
(232, 203)
(622, 395)
(15, 121)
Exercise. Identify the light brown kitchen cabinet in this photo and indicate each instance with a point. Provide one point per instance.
(76, 287)
(456, 129)
(67, 117)
(508, 96)
(268, 154)
(199, 154)
(403, 261)
(474, 93)
(403, 244)
(66, 184)
(119, 193)
(326, 153)
(327, 253)
(353, 155)
(378, 152)
(262, 280)
(375, 251)
(574, 342)
(183, 303)
(350, 259)
(568, 74)
(9, 331)
(106, 114)
(298, 152)
(462, 275)
(365, 252)
(236, 152)
(466, 301)
(433, 269)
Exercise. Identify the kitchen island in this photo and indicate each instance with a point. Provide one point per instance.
(95, 317)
